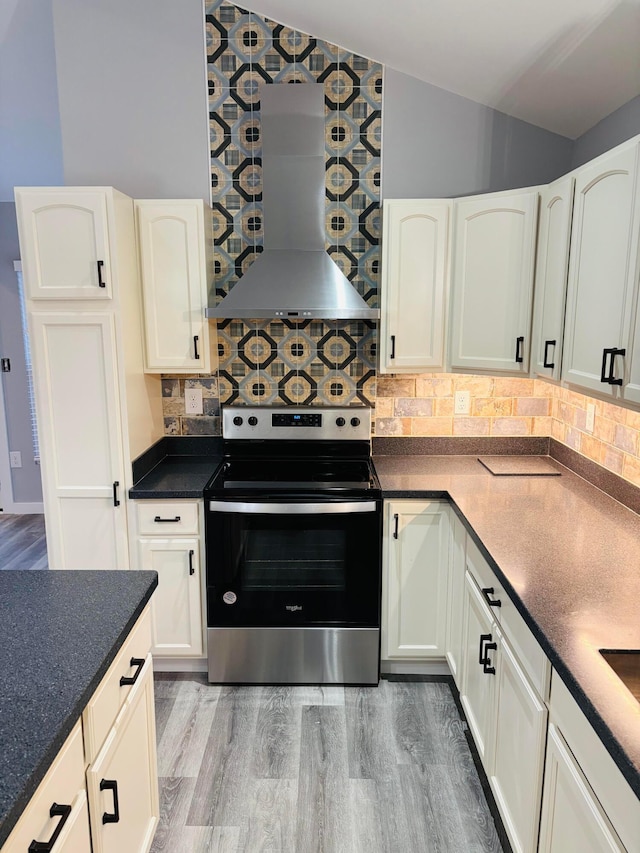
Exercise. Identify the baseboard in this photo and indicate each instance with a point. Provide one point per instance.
(407, 667)
(179, 664)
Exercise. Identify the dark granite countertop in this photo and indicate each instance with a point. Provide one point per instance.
(59, 632)
(569, 557)
(176, 467)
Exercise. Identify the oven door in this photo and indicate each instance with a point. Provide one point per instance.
(280, 563)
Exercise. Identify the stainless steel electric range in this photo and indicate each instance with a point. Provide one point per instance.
(293, 542)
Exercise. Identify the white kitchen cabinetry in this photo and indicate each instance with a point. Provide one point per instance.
(415, 279)
(415, 564)
(554, 233)
(96, 409)
(58, 810)
(493, 265)
(169, 544)
(455, 598)
(603, 272)
(505, 685)
(175, 262)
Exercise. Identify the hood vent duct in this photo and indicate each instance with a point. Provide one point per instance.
(293, 276)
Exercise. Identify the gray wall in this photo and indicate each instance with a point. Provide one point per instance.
(26, 480)
(30, 147)
(132, 92)
(611, 131)
(437, 144)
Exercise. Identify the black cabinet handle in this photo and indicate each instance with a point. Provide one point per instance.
(131, 679)
(116, 483)
(487, 591)
(111, 785)
(395, 529)
(545, 361)
(196, 354)
(610, 378)
(482, 654)
(486, 663)
(519, 344)
(63, 813)
(192, 571)
(393, 346)
(159, 520)
(101, 283)
(603, 368)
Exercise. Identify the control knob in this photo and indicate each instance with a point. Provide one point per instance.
(355, 422)
(340, 422)
(253, 420)
(237, 421)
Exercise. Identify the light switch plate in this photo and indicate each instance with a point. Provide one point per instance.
(15, 459)
(591, 417)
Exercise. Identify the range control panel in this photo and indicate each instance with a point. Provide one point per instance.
(315, 423)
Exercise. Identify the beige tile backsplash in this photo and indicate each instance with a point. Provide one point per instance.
(422, 405)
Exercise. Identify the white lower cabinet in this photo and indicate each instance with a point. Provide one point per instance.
(415, 563)
(122, 781)
(572, 819)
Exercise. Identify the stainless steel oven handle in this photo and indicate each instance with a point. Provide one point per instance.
(292, 509)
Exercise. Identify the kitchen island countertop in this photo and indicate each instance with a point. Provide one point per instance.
(569, 557)
(59, 633)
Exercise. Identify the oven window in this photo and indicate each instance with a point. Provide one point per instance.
(291, 560)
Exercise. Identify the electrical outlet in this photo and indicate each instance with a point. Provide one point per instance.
(15, 458)
(591, 417)
(462, 403)
(193, 401)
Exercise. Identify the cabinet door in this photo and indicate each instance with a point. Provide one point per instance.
(415, 579)
(176, 608)
(517, 761)
(493, 281)
(64, 243)
(414, 284)
(127, 764)
(75, 373)
(171, 237)
(554, 232)
(602, 270)
(456, 599)
(572, 818)
(479, 683)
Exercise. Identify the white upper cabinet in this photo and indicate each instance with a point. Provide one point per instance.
(493, 264)
(603, 272)
(173, 259)
(64, 243)
(414, 284)
(554, 234)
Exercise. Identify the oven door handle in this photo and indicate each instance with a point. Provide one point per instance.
(327, 508)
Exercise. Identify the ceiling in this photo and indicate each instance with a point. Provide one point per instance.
(560, 64)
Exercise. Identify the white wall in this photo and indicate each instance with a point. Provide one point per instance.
(437, 144)
(30, 147)
(132, 93)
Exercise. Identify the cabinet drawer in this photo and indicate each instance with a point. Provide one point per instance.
(63, 785)
(168, 518)
(483, 575)
(103, 707)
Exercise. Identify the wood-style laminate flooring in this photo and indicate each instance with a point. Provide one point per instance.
(22, 542)
(316, 770)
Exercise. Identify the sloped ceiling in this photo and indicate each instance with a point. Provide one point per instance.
(560, 64)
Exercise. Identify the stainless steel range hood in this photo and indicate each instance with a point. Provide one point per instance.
(293, 276)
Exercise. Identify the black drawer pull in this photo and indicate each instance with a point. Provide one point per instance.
(101, 282)
(487, 591)
(63, 813)
(395, 529)
(545, 361)
(116, 500)
(196, 354)
(131, 679)
(610, 378)
(192, 571)
(111, 785)
(519, 344)
(159, 520)
(482, 658)
(486, 663)
(393, 346)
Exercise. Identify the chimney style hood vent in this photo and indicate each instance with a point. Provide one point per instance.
(293, 276)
